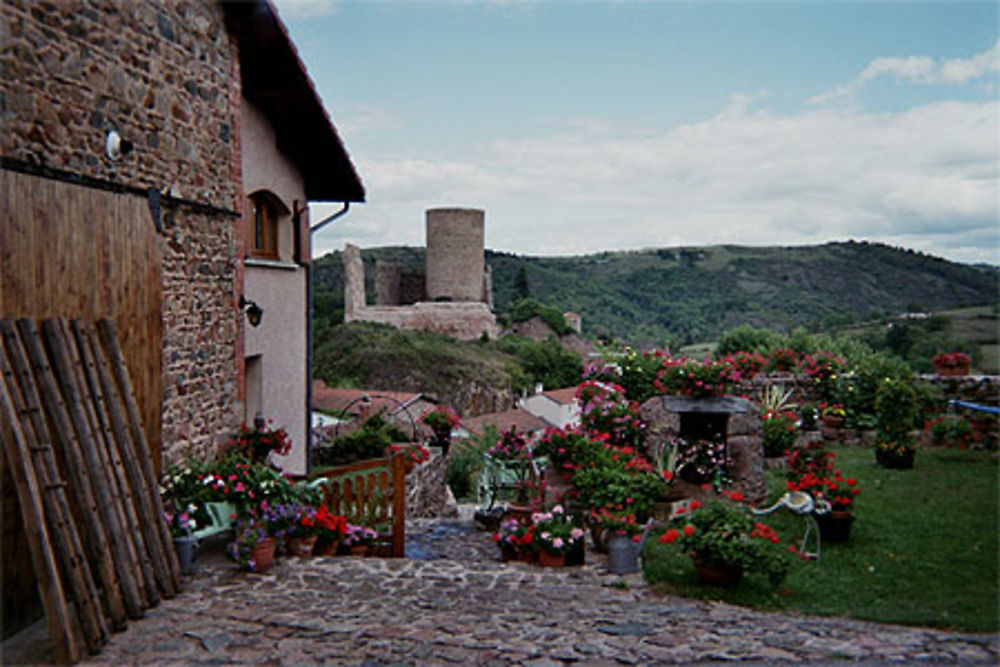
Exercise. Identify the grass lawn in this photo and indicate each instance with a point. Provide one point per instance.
(923, 549)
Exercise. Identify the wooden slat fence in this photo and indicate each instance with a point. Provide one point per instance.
(89, 500)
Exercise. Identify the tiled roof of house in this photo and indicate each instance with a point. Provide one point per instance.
(565, 396)
(353, 400)
(523, 420)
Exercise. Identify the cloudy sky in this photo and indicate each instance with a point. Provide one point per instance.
(620, 124)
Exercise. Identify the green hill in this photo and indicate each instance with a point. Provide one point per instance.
(694, 294)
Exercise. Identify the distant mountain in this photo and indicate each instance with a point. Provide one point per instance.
(696, 293)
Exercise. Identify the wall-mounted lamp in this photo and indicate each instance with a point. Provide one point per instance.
(115, 146)
(253, 312)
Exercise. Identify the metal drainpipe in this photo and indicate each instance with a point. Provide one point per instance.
(309, 335)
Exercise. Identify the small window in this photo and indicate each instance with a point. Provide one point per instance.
(266, 212)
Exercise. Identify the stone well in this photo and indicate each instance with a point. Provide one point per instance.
(735, 421)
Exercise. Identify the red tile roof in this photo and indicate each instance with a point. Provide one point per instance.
(566, 396)
(523, 420)
(334, 398)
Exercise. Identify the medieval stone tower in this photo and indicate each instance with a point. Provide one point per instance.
(455, 296)
(455, 254)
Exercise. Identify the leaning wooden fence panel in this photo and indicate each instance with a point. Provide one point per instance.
(94, 524)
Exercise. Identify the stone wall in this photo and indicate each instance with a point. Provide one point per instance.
(164, 75)
(199, 336)
(744, 441)
(462, 321)
(158, 72)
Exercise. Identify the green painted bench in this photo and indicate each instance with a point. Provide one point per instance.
(220, 520)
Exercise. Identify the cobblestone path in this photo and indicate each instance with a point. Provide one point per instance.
(470, 609)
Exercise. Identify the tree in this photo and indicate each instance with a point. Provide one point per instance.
(522, 289)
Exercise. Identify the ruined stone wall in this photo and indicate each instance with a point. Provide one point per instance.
(164, 75)
(463, 321)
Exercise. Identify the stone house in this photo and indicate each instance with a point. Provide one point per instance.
(157, 160)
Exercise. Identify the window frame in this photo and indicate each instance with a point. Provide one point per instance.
(265, 216)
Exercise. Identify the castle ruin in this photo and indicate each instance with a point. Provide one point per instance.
(455, 297)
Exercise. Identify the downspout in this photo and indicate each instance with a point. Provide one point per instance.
(309, 334)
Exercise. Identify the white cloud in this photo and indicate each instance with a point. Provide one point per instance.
(925, 177)
(917, 70)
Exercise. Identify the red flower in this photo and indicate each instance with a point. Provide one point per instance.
(670, 536)
(688, 530)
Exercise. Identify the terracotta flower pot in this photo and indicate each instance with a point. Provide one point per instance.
(263, 554)
(359, 549)
(326, 548)
(833, 421)
(548, 559)
(718, 574)
(301, 547)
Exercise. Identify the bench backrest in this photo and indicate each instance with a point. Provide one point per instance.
(372, 493)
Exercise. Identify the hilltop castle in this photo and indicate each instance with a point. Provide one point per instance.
(455, 297)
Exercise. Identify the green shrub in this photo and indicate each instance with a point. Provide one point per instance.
(466, 462)
(546, 362)
(525, 309)
(746, 338)
(367, 442)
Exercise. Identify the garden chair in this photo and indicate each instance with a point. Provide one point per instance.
(500, 480)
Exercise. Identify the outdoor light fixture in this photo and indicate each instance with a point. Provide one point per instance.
(115, 146)
(253, 312)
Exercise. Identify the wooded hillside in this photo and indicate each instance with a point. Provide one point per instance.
(695, 294)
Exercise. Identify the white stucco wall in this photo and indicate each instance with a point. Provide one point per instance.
(279, 288)
(557, 414)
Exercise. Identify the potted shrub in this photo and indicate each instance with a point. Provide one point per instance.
(807, 417)
(359, 539)
(257, 533)
(330, 529)
(516, 540)
(555, 535)
(259, 442)
(441, 421)
(724, 541)
(832, 414)
(302, 531)
(952, 364)
(779, 433)
(895, 415)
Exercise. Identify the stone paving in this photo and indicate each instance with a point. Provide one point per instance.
(455, 603)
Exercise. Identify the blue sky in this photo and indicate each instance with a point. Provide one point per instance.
(589, 126)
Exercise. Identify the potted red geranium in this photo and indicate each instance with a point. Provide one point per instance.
(952, 364)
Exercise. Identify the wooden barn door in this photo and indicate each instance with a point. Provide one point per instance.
(77, 252)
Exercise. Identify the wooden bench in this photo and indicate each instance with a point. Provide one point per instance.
(371, 493)
(220, 517)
